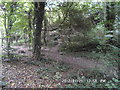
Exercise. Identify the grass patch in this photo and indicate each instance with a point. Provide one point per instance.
(89, 79)
(52, 44)
(12, 57)
(45, 73)
(42, 62)
(53, 71)
(62, 67)
(107, 59)
(46, 61)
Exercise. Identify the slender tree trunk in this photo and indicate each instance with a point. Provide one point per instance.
(39, 15)
(30, 28)
(110, 15)
(8, 26)
(110, 18)
(7, 34)
(45, 31)
(25, 41)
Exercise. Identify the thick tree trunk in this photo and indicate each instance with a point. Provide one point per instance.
(39, 15)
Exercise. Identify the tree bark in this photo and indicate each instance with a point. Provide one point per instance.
(39, 15)
(30, 28)
(7, 34)
(45, 31)
(110, 18)
(8, 23)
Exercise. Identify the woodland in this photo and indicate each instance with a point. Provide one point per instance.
(59, 44)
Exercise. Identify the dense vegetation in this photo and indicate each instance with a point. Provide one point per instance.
(89, 30)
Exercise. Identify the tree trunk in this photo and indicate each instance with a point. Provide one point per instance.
(30, 28)
(25, 35)
(39, 15)
(45, 31)
(8, 23)
(110, 18)
(7, 35)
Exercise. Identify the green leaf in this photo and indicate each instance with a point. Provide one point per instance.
(115, 80)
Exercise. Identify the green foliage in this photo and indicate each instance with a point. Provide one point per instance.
(43, 72)
(114, 83)
(15, 15)
(52, 43)
(11, 58)
(109, 59)
(40, 62)
(3, 84)
(97, 34)
(62, 67)
(108, 84)
(83, 23)
(79, 43)
(92, 79)
(46, 61)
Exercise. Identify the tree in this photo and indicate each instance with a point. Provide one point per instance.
(110, 18)
(30, 26)
(45, 30)
(8, 22)
(39, 15)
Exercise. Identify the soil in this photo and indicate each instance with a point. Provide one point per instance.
(19, 74)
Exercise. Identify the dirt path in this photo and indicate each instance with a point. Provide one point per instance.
(22, 75)
(80, 62)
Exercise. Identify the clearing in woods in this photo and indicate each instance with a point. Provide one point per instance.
(27, 72)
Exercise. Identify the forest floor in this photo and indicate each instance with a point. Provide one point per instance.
(52, 70)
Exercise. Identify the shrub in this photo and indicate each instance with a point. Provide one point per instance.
(76, 46)
(52, 43)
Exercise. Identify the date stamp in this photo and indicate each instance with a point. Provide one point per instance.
(82, 80)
